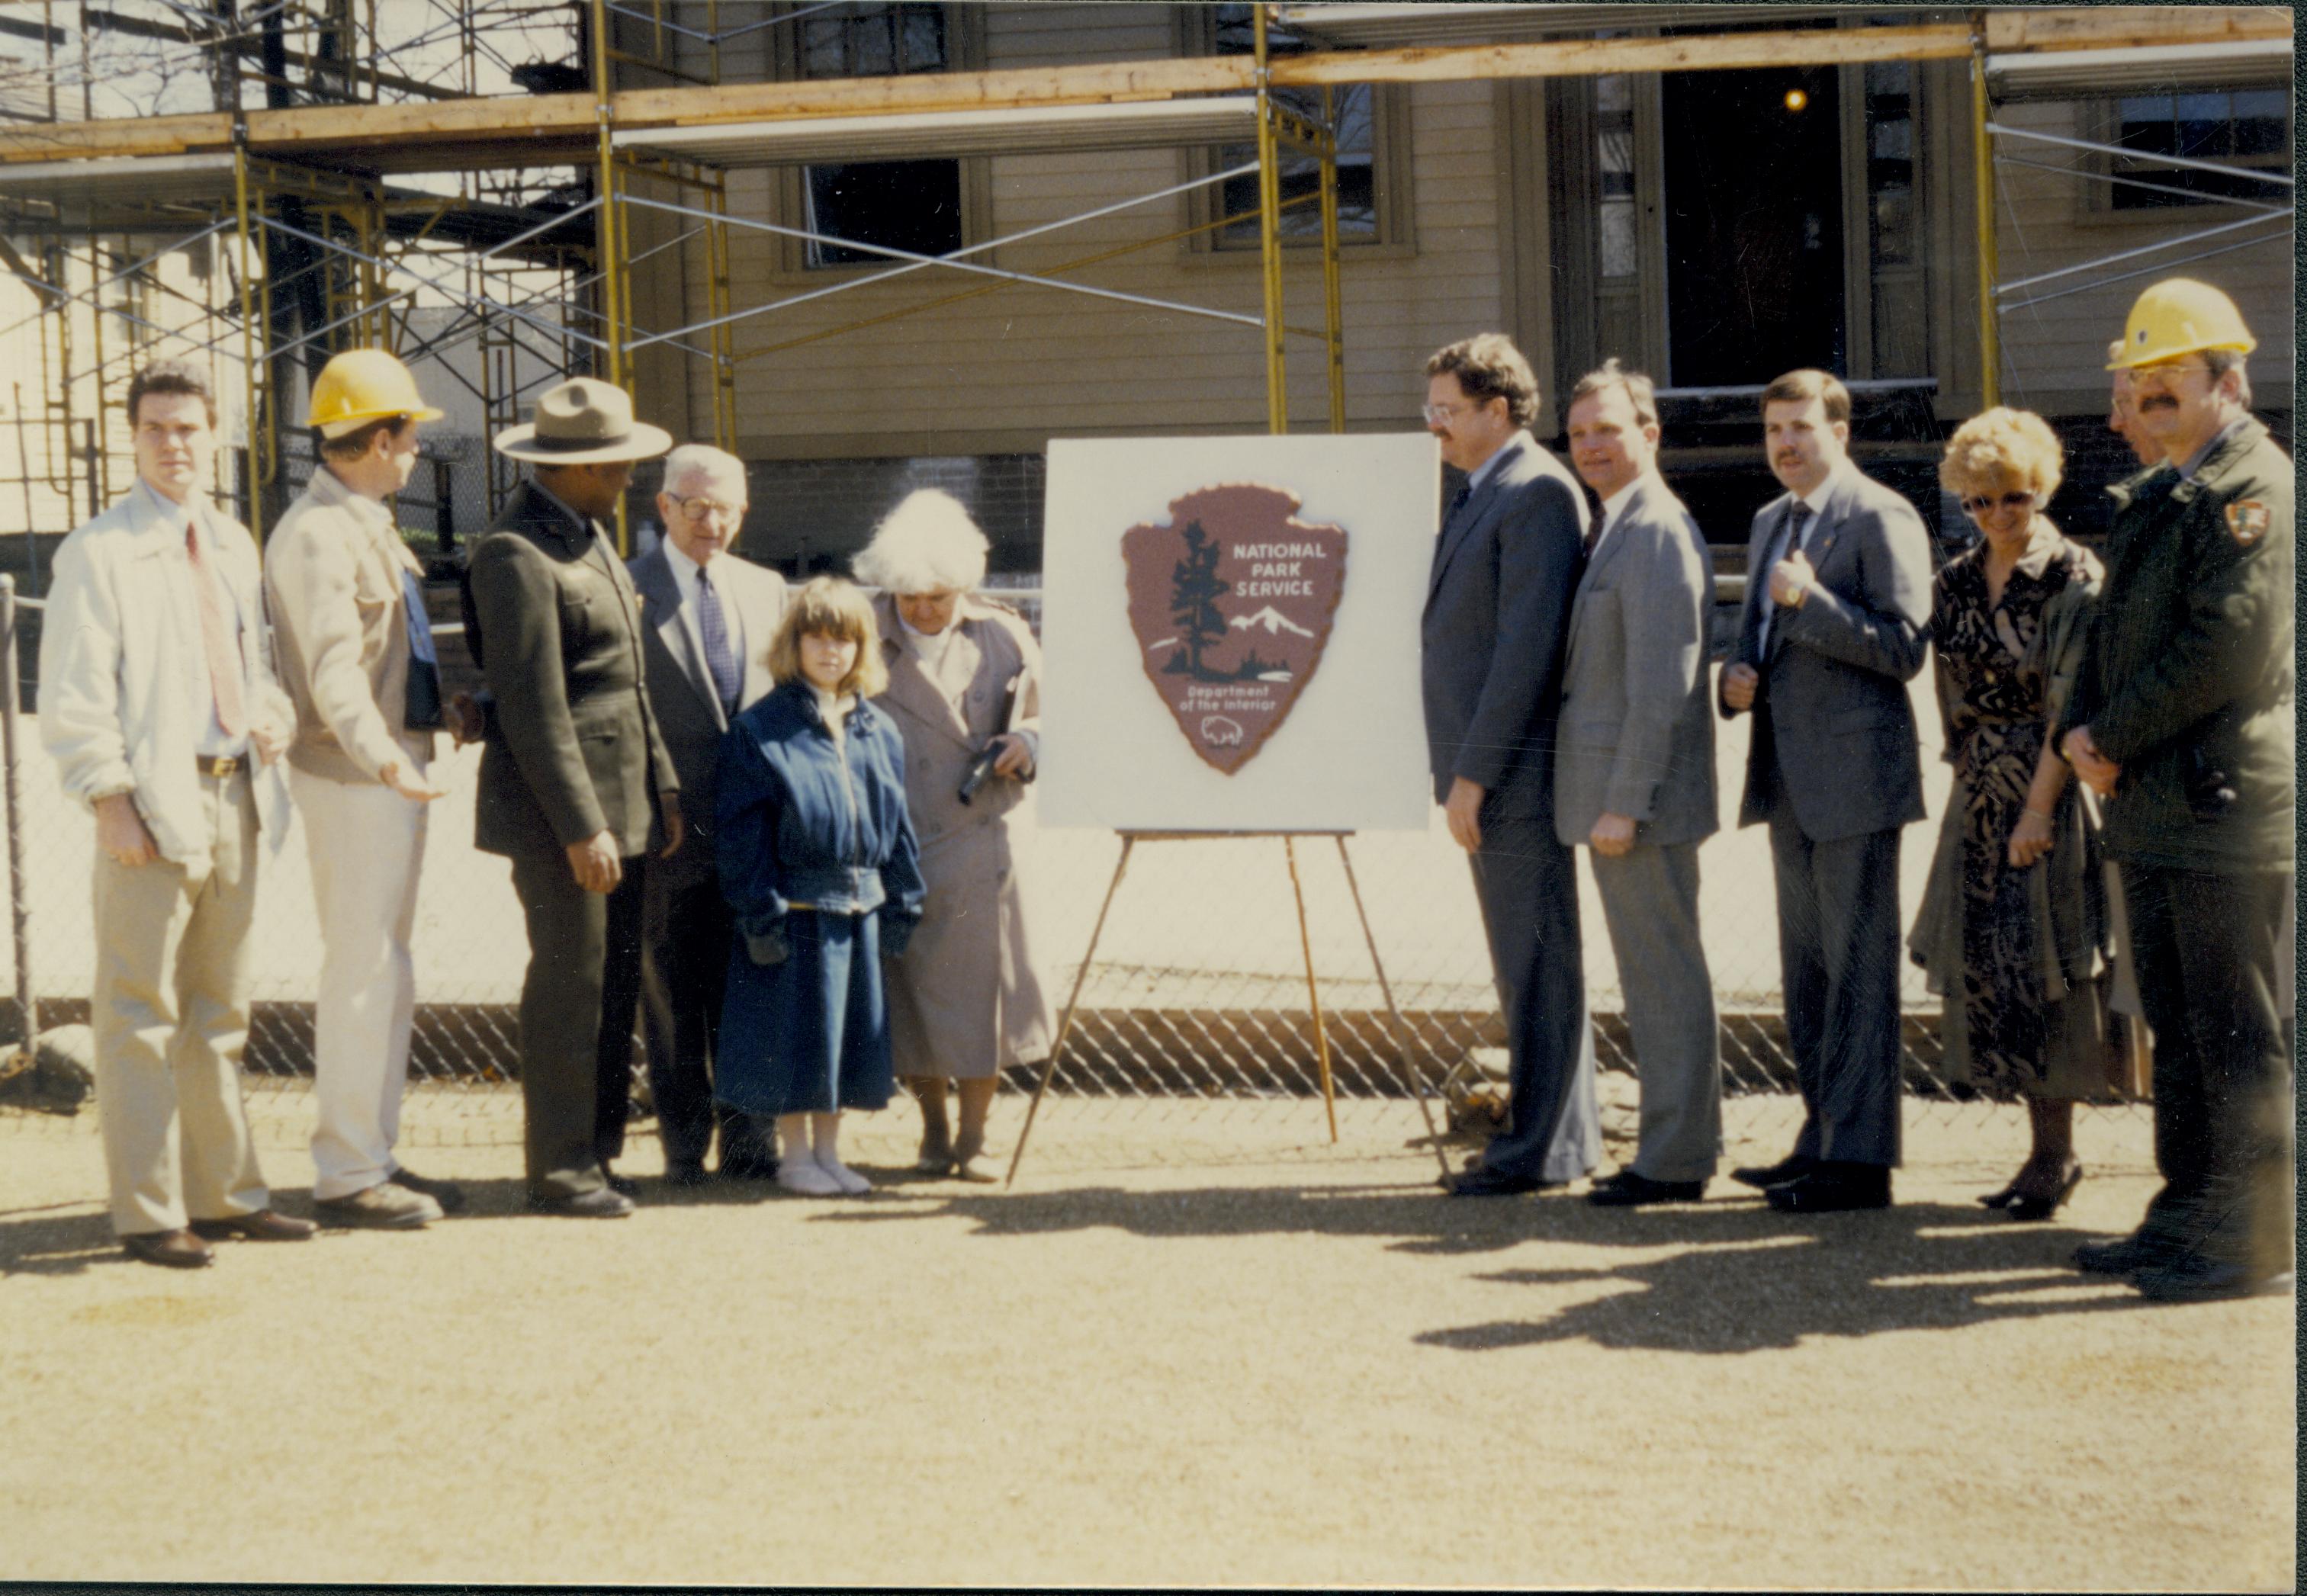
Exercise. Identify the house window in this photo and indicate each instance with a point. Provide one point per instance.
(1891, 161)
(1614, 167)
(2244, 127)
(1357, 109)
(913, 205)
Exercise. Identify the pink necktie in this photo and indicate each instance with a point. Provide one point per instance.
(217, 641)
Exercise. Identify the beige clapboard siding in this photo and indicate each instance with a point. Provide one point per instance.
(1026, 362)
(2056, 352)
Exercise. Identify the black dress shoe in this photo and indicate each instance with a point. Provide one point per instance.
(622, 1185)
(603, 1203)
(2124, 1256)
(685, 1172)
(2190, 1277)
(171, 1249)
(1490, 1182)
(263, 1225)
(1833, 1188)
(749, 1165)
(1761, 1177)
(1627, 1189)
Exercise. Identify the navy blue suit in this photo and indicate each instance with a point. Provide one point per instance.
(1497, 613)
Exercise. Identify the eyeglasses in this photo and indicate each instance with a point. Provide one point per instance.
(1436, 415)
(1981, 504)
(701, 508)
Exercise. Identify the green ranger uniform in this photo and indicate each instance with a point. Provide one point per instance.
(2187, 686)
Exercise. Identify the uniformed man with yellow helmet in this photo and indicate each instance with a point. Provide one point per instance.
(356, 654)
(2182, 721)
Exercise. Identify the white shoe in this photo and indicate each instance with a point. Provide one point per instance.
(803, 1177)
(848, 1180)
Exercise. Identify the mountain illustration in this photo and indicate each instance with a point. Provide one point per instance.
(1273, 620)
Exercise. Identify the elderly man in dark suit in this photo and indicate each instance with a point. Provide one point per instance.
(1634, 775)
(707, 618)
(574, 780)
(1836, 620)
(1497, 608)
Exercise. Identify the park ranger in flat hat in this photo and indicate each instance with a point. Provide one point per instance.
(2182, 721)
(576, 786)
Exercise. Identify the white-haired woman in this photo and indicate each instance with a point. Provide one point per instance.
(966, 1001)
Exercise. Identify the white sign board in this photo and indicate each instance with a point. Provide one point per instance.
(1230, 632)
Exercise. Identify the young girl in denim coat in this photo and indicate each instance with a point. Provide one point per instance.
(819, 864)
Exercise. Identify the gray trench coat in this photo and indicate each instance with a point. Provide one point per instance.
(966, 1001)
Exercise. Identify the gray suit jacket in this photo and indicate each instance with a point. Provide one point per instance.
(688, 708)
(1497, 608)
(1636, 735)
(1834, 736)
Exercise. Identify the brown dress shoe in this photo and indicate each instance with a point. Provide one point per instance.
(263, 1225)
(171, 1249)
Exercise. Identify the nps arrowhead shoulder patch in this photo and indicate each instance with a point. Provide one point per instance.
(2247, 520)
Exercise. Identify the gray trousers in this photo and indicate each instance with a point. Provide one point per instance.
(1649, 901)
(1838, 956)
(1527, 884)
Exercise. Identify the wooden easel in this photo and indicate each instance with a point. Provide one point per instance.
(1129, 841)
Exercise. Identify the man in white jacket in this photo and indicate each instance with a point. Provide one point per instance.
(156, 690)
(356, 657)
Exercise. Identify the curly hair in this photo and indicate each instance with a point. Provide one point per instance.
(1489, 366)
(927, 545)
(2000, 449)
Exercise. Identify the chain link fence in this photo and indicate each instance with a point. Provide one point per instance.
(1198, 999)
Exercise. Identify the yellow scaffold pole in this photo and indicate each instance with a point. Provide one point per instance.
(251, 472)
(608, 232)
(1990, 339)
(1269, 233)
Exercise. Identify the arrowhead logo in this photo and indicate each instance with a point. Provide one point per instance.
(1231, 600)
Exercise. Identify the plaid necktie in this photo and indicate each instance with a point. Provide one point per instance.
(720, 658)
(218, 640)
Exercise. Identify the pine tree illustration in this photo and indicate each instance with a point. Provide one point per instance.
(1196, 588)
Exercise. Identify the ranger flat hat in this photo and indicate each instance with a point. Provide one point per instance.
(583, 422)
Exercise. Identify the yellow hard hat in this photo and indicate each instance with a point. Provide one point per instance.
(364, 385)
(2180, 316)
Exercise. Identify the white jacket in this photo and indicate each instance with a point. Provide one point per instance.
(124, 671)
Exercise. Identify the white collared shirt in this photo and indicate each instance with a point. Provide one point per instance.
(1481, 473)
(685, 571)
(1816, 500)
(1612, 506)
(213, 742)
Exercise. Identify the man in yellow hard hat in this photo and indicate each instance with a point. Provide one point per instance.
(356, 654)
(2182, 720)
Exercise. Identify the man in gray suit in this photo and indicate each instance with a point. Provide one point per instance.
(1497, 607)
(1837, 615)
(1634, 775)
(707, 618)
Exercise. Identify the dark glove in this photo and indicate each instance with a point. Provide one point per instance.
(768, 947)
(895, 934)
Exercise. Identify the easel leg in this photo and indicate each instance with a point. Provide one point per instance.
(1400, 1026)
(1066, 1020)
(1313, 997)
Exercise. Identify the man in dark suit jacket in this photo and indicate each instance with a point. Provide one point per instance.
(707, 618)
(574, 780)
(1633, 777)
(1836, 620)
(1497, 607)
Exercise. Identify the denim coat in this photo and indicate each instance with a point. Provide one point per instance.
(802, 819)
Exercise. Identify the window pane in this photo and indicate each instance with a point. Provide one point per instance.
(2226, 128)
(2269, 103)
(873, 45)
(822, 40)
(1301, 177)
(1619, 256)
(924, 42)
(907, 205)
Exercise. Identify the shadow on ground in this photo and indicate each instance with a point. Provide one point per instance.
(1734, 1277)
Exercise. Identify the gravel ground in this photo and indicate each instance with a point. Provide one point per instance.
(1192, 1346)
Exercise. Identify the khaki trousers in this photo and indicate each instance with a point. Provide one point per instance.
(170, 1009)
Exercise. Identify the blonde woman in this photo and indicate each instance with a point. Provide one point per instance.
(2014, 921)
(964, 689)
(818, 861)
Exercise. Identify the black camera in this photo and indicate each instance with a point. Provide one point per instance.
(979, 769)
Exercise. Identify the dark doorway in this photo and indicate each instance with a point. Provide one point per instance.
(1753, 229)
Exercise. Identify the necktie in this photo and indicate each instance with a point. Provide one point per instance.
(1593, 533)
(1457, 502)
(720, 658)
(218, 640)
(423, 706)
(1788, 542)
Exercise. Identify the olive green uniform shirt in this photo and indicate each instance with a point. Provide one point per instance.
(2187, 681)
